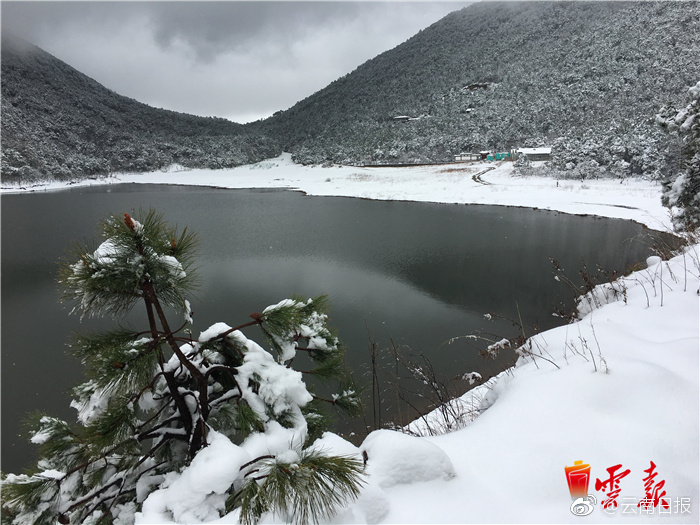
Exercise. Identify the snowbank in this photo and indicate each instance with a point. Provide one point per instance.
(618, 387)
(625, 393)
(394, 458)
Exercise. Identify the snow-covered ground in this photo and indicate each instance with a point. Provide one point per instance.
(624, 391)
(619, 387)
(450, 183)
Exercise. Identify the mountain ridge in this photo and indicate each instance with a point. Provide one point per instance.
(586, 78)
(58, 123)
(550, 68)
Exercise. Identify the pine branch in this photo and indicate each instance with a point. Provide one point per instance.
(179, 401)
(331, 368)
(306, 491)
(156, 430)
(210, 385)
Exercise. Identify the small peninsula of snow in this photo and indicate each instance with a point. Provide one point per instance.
(461, 183)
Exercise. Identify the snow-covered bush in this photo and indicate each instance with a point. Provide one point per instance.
(176, 428)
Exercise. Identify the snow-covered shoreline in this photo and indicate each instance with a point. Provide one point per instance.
(624, 391)
(616, 390)
(632, 199)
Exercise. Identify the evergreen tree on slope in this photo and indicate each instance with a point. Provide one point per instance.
(682, 192)
(178, 428)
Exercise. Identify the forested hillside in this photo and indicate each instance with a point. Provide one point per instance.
(585, 78)
(58, 123)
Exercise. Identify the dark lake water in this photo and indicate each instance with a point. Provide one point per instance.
(416, 274)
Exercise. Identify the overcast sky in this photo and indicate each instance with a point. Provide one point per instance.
(237, 60)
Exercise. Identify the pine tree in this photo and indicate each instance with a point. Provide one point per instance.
(156, 399)
(682, 191)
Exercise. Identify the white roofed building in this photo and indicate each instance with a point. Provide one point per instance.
(535, 154)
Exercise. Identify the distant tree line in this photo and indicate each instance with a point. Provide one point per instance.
(586, 78)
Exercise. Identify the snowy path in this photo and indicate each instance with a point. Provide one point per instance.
(477, 177)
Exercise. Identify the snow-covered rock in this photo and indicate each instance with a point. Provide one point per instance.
(394, 458)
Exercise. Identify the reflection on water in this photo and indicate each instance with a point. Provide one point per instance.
(415, 273)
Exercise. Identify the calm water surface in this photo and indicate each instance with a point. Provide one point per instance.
(414, 273)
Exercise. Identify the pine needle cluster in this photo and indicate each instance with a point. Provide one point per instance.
(153, 398)
(306, 489)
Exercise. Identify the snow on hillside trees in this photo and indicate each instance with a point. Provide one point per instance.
(179, 428)
(584, 78)
(682, 189)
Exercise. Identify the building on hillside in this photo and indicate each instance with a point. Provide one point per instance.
(535, 154)
(467, 157)
(490, 156)
(504, 155)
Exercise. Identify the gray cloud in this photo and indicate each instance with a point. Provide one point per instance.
(211, 28)
(239, 60)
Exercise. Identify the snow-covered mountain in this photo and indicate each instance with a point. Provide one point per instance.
(58, 123)
(586, 78)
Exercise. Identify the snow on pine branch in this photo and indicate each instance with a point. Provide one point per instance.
(170, 427)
